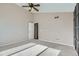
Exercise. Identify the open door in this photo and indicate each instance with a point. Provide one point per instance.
(36, 31)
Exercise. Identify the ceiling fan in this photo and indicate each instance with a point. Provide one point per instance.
(32, 6)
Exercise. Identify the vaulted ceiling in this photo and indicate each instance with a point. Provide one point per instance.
(53, 7)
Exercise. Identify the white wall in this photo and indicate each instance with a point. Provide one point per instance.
(57, 7)
(13, 24)
(55, 30)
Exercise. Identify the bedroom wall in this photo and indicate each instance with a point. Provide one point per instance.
(55, 30)
(13, 24)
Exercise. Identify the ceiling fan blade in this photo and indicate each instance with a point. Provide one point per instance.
(35, 9)
(37, 5)
(25, 6)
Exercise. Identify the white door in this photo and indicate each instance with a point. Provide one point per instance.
(31, 30)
